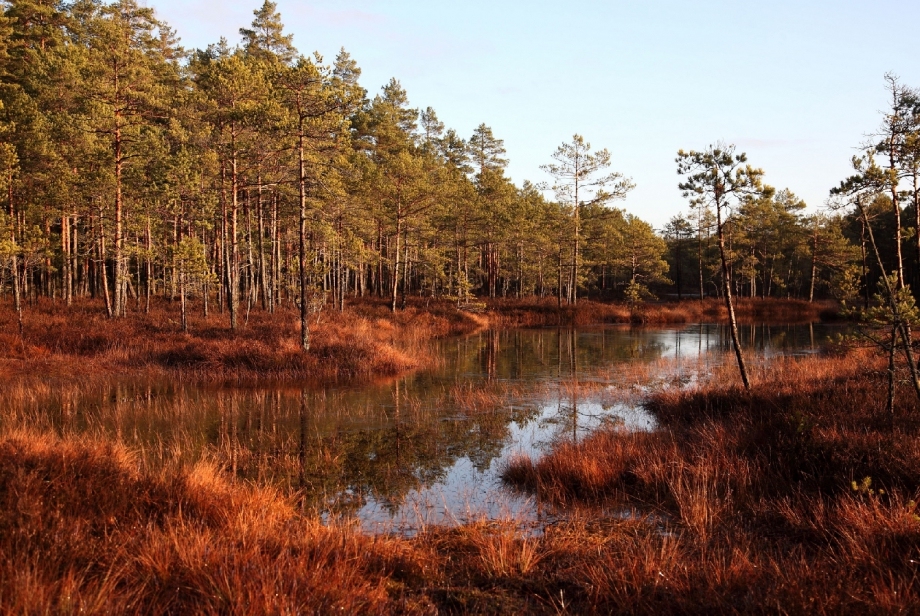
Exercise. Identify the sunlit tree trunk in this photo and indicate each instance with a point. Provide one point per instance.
(302, 252)
(14, 265)
(233, 291)
(67, 286)
(729, 304)
(102, 268)
(395, 284)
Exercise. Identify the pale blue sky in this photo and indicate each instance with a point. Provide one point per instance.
(796, 85)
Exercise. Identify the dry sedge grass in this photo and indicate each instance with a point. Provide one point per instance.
(740, 503)
(533, 312)
(81, 531)
(800, 497)
(364, 341)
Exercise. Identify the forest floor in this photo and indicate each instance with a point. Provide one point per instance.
(799, 496)
(364, 341)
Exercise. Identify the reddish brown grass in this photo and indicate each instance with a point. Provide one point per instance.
(762, 497)
(367, 340)
(739, 503)
(364, 341)
(533, 312)
(82, 531)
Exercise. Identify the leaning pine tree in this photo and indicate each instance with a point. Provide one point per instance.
(720, 178)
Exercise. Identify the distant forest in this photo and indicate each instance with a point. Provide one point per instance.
(252, 177)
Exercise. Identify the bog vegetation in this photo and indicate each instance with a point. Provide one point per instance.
(212, 212)
(798, 496)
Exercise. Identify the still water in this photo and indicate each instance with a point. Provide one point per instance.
(424, 448)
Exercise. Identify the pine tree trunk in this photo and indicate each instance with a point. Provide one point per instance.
(302, 253)
(699, 253)
(149, 263)
(66, 249)
(182, 300)
(14, 265)
(814, 263)
(261, 247)
(917, 230)
(102, 267)
(273, 296)
(223, 260)
(396, 263)
(897, 213)
(234, 270)
(118, 272)
(727, 289)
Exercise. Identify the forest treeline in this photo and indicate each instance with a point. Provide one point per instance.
(249, 177)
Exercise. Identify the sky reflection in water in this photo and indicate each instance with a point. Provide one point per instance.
(425, 448)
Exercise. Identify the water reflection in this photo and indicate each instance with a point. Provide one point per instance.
(426, 447)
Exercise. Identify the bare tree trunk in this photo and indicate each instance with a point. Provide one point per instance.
(75, 261)
(149, 263)
(893, 305)
(182, 301)
(559, 281)
(205, 286)
(699, 250)
(14, 266)
(397, 259)
(406, 263)
(727, 288)
(250, 260)
(261, 247)
(234, 270)
(917, 230)
(276, 257)
(894, 196)
(302, 253)
(102, 269)
(814, 262)
(223, 278)
(574, 290)
(378, 286)
(66, 249)
(118, 270)
(865, 266)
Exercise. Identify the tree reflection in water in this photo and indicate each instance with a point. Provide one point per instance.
(374, 450)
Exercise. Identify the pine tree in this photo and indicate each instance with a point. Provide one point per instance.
(720, 178)
(234, 89)
(578, 184)
(121, 99)
(316, 115)
(678, 232)
(266, 40)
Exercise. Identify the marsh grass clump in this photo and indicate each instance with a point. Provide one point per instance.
(536, 312)
(800, 495)
(364, 341)
(81, 530)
